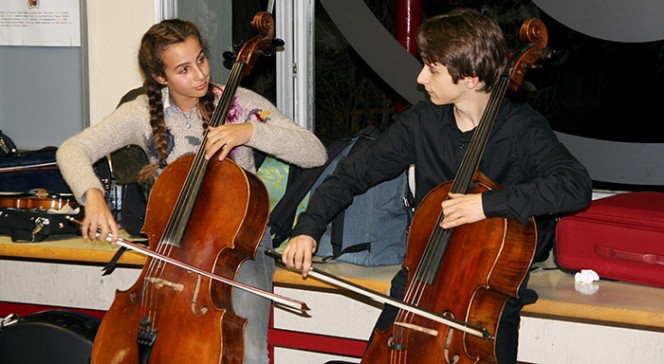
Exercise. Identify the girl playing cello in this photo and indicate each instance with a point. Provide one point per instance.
(168, 122)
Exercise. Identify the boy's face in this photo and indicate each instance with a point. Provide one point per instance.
(438, 83)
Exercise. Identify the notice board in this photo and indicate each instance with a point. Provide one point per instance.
(43, 74)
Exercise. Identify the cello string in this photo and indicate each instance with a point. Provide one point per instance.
(437, 245)
(397, 356)
(434, 251)
(413, 296)
(190, 193)
(417, 287)
(441, 237)
(176, 225)
(179, 219)
(173, 233)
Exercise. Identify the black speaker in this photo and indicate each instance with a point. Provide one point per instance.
(48, 337)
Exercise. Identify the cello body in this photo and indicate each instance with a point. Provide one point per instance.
(495, 252)
(193, 315)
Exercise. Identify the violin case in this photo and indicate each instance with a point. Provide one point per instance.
(23, 172)
(36, 224)
(26, 170)
(620, 237)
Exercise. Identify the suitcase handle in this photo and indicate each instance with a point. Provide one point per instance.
(605, 251)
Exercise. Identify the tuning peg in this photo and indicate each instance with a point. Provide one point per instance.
(230, 56)
(278, 43)
(547, 53)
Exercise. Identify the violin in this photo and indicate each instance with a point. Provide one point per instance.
(38, 199)
(204, 218)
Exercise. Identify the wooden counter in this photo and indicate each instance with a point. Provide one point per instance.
(602, 322)
(68, 248)
(616, 317)
(376, 278)
(613, 303)
(62, 272)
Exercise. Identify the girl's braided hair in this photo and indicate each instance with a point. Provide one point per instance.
(159, 37)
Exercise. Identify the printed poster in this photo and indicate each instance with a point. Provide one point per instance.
(50, 23)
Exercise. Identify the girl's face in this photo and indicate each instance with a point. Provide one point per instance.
(187, 72)
(438, 83)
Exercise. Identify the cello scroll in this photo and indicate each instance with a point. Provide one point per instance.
(263, 44)
(532, 32)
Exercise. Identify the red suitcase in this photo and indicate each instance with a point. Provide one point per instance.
(620, 237)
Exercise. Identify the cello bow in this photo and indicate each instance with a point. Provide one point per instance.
(324, 276)
(286, 301)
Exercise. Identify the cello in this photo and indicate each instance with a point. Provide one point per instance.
(459, 279)
(175, 315)
(467, 273)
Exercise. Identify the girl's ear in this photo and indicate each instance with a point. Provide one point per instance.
(159, 79)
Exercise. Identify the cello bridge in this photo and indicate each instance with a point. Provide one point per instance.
(159, 283)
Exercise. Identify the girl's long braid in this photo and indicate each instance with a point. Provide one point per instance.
(206, 105)
(158, 142)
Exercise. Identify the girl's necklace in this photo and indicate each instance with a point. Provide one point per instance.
(192, 114)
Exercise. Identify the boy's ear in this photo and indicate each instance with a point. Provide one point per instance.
(471, 82)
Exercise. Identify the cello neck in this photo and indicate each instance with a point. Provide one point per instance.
(222, 109)
(264, 43)
(534, 34)
(478, 142)
(188, 195)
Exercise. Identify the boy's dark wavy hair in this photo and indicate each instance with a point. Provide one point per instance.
(468, 43)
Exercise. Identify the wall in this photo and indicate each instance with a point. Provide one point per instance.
(44, 97)
(115, 29)
(38, 108)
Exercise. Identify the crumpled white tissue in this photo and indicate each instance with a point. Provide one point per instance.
(583, 281)
(586, 276)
